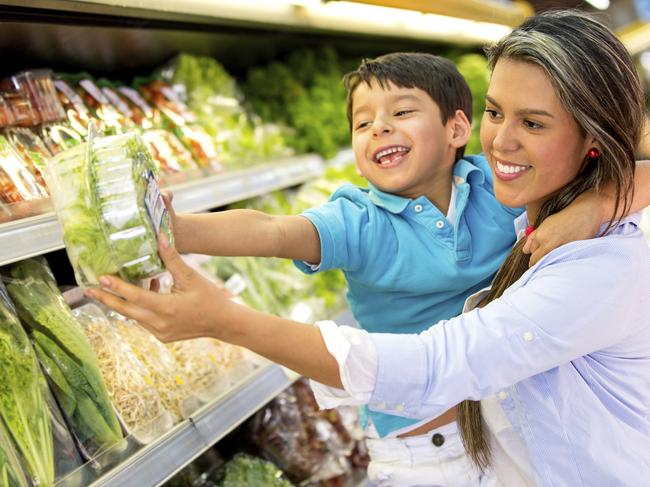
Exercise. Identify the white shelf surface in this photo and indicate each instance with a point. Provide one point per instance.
(160, 460)
(37, 235)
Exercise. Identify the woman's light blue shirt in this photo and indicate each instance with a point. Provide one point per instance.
(566, 350)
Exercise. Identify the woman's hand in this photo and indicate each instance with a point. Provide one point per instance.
(195, 307)
(579, 221)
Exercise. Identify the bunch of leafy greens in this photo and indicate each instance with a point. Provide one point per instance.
(66, 355)
(99, 195)
(247, 470)
(212, 94)
(22, 397)
(304, 93)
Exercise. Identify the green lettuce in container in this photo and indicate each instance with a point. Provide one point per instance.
(66, 356)
(108, 203)
(22, 397)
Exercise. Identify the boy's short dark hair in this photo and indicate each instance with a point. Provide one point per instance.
(436, 75)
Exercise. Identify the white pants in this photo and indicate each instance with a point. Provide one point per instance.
(415, 461)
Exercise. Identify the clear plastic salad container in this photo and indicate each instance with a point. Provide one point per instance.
(108, 202)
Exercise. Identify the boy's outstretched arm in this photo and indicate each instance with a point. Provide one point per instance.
(247, 233)
(582, 219)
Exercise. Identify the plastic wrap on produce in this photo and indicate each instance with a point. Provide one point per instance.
(111, 120)
(129, 384)
(23, 390)
(66, 355)
(38, 85)
(166, 375)
(11, 473)
(108, 202)
(31, 149)
(59, 136)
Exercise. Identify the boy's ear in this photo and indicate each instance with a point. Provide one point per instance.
(459, 129)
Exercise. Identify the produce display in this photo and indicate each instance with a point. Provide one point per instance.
(110, 208)
(165, 373)
(128, 383)
(22, 396)
(66, 355)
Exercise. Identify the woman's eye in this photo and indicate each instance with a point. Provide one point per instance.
(532, 125)
(492, 113)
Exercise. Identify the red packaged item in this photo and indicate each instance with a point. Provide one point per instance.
(19, 104)
(38, 86)
(6, 115)
(75, 110)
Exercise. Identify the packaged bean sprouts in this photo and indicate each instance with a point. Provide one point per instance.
(129, 385)
(108, 202)
(166, 375)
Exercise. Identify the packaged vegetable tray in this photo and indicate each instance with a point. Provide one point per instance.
(108, 202)
(11, 473)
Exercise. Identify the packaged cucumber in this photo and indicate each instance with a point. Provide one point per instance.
(107, 200)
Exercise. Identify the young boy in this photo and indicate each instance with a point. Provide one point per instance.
(427, 233)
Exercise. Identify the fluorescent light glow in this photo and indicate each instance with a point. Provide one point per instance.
(599, 4)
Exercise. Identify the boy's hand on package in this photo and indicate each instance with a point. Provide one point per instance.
(189, 311)
(578, 221)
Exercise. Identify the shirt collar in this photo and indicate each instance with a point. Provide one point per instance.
(393, 203)
(464, 167)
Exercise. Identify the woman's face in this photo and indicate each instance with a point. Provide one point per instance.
(533, 145)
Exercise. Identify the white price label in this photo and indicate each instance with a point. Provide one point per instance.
(154, 202)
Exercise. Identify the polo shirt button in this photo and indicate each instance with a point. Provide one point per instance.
(417, 208)
(440, 224)
(528, 336)
(438, 440)
(399, 407)
(502, 396)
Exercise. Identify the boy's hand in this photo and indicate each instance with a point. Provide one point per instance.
(579, 221)
(191, 310)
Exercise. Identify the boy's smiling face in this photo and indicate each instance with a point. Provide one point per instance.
(401, 144)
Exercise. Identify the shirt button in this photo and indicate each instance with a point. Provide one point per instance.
(417, 208)
(528, 336)
(399, 407)
(502, 396)
(438, 440)
(440, 224)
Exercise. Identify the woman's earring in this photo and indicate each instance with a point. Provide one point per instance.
(593, 154)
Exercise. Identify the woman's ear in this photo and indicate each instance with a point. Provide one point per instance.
(459, 129)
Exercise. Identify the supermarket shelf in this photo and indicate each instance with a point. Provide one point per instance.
(37, 235)
(159, 461)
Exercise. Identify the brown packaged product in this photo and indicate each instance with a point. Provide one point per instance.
(38, 86)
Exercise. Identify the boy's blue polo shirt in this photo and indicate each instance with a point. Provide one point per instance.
(406, 267)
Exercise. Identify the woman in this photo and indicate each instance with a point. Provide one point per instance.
(559, 353)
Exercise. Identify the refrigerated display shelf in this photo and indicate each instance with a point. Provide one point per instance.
(160, 460)
(37, 235)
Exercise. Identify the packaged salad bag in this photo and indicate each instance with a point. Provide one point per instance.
(108, 203)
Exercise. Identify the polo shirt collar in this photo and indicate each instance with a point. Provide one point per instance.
(464, 167)
(393, 203)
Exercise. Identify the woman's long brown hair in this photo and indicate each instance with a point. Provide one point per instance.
(597, 83)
